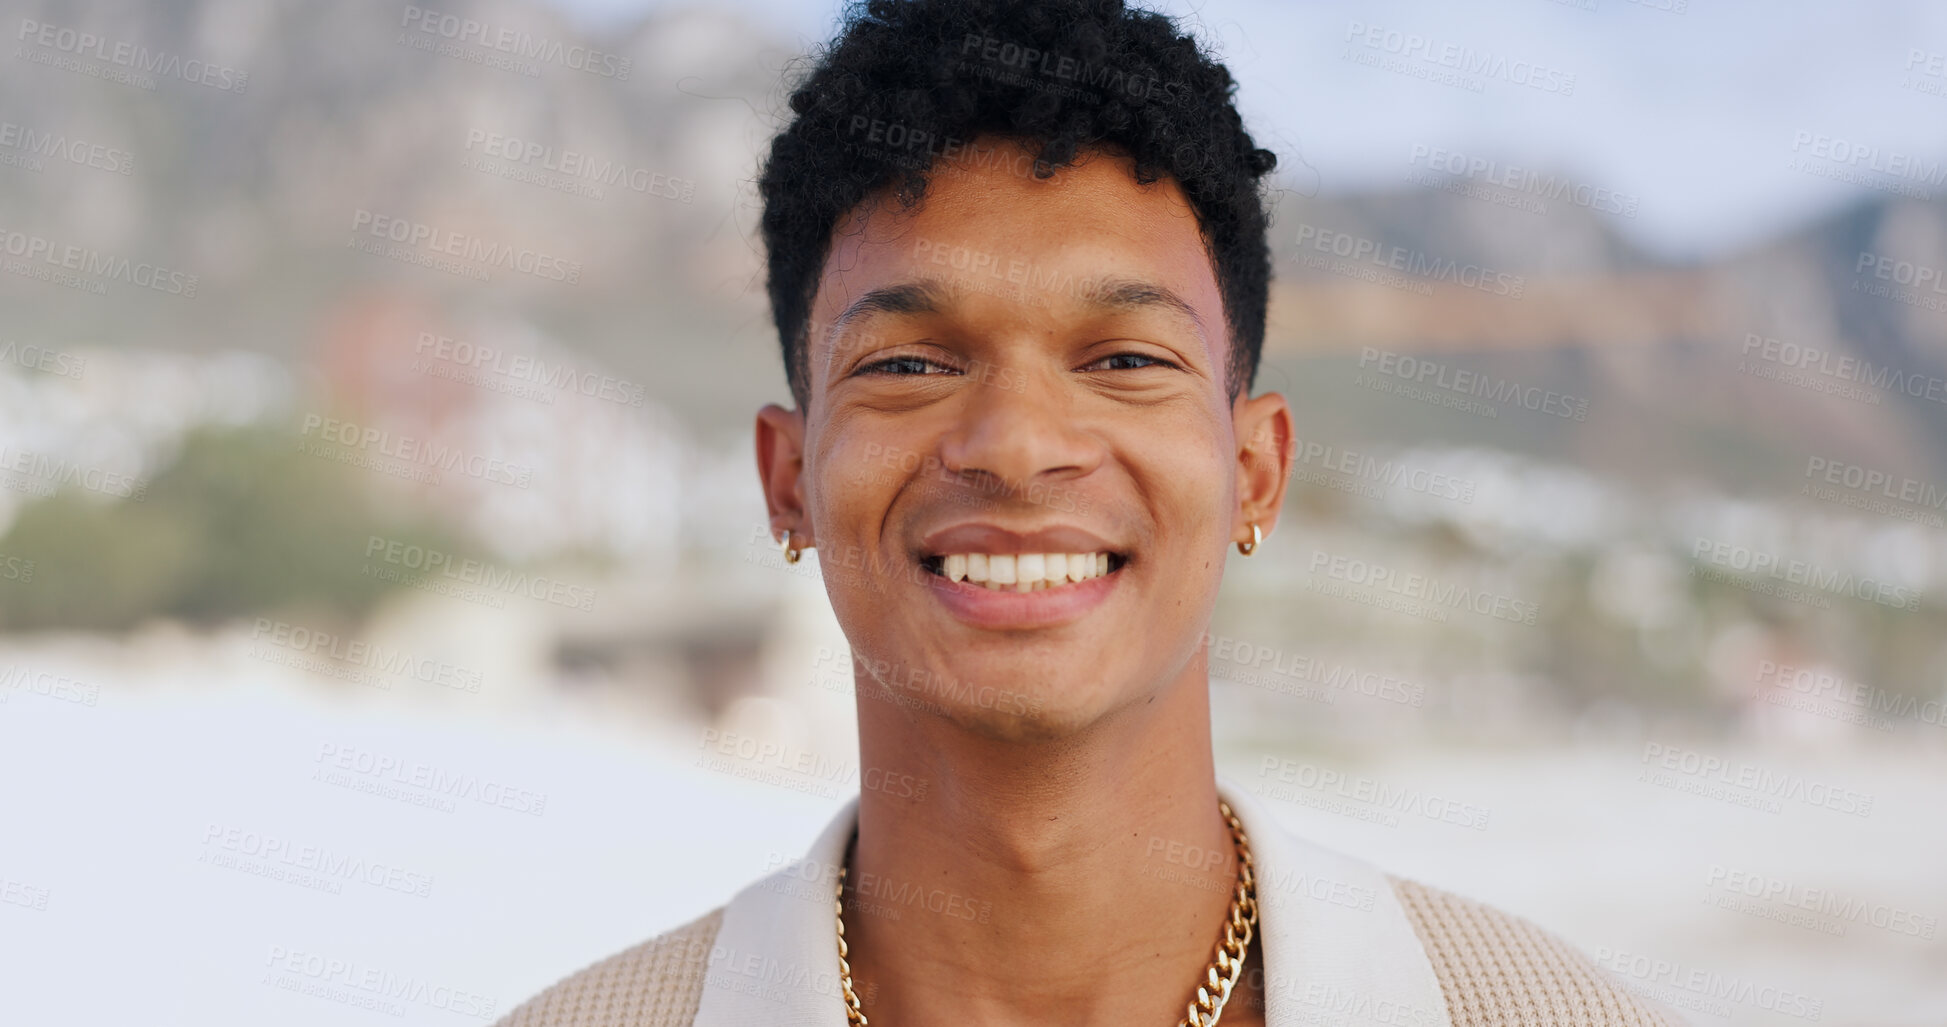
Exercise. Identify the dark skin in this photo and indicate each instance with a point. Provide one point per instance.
(1037, 353)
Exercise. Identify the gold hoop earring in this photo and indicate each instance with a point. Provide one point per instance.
(1257, 537)
(791, 553)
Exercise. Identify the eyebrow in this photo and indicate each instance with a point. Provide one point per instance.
(908, 298)
(1124, 294)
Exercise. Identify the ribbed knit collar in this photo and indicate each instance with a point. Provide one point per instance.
(1338, 948)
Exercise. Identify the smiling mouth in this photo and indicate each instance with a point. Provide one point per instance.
(1023, 572)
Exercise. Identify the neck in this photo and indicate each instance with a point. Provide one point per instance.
(1078, 881)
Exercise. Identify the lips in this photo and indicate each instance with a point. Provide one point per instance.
(1047, 559)
(983, 537)
(1091, 571)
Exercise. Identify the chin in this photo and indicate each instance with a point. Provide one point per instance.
(1022, 705)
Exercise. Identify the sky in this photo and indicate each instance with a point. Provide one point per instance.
(1697, 108)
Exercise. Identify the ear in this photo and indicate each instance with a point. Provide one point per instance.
(780, 470)
(1264, 440)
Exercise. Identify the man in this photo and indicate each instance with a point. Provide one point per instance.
(1018, 266)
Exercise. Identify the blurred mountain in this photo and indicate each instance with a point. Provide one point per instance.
(1680, 367)
(258, 193)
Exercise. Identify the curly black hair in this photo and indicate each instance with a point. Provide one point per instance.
(906, 80)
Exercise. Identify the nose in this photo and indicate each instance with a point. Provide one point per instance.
(1018, 431)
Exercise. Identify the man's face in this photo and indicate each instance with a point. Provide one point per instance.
(1025, 374)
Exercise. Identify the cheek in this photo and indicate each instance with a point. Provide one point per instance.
(843, 472)
(853, 475)
(1191, 475)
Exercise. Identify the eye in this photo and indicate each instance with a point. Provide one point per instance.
(906, 365)
(1128, 362)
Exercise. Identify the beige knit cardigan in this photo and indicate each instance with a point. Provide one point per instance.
(1492, 969)
(1495, 970)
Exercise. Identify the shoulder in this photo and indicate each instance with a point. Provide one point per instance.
(1497, 968)
(658, 983)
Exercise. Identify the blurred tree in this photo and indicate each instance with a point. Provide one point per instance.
(240, 524)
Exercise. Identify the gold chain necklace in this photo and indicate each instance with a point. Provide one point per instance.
(1219, 977)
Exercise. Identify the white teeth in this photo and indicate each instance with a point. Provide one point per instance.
(1031, 567)
(1000, 569)
(1023, 572)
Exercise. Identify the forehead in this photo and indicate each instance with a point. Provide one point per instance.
(1008, 245)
